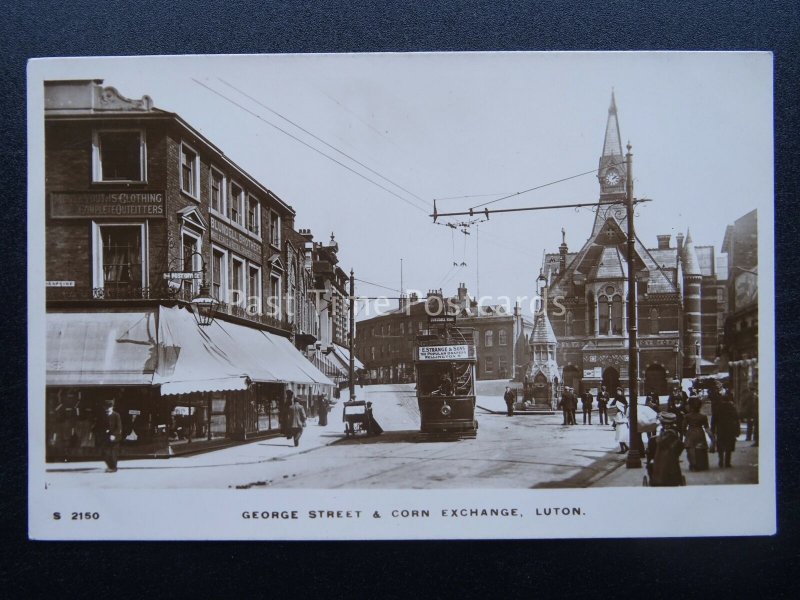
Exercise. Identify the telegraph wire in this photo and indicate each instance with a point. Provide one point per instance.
(378, 285)
(319, 139)
(306, 144)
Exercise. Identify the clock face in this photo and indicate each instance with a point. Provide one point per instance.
(612, 177)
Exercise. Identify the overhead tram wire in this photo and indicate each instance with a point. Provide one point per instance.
(319, 139)
(307, 145)
(544, 185)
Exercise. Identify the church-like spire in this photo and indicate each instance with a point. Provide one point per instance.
(612, 145)
(691, 264)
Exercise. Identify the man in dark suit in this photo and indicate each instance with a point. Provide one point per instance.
(109, 431)
(602, 405)
(297, 420)
(586, 402)
(509, 397)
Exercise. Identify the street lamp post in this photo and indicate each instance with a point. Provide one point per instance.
(634, 460)
(351, 337)
(204, 303)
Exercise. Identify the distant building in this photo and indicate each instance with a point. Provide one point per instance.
(385, 343)
(741, 323)
(681, 295)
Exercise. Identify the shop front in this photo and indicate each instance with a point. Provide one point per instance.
(177, 386)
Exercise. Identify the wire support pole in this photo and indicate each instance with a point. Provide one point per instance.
(634, 459)
(486, 212)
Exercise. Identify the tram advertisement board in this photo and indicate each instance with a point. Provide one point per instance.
(451, 352)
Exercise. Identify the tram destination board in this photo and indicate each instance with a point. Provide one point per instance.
(446, 352)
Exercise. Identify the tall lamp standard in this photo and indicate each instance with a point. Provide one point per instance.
(634, 460)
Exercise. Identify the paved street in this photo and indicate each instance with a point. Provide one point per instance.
(523, 451)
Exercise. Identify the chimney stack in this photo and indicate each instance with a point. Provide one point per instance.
(679, 240)
(663, 241)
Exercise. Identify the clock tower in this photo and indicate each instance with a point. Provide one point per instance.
(611, 173)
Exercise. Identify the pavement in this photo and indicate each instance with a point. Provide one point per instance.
(591, 461)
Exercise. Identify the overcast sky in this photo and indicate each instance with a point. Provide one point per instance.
(441, 126)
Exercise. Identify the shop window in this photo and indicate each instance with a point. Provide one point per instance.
(489, 364)
(237, 197)
(119, 256)
(219, 274)
(119, 156)
(275, 229)
(190, 171)
(502, 367)
(217, 191)
(502, 337)
(253, 216)
(488, 338)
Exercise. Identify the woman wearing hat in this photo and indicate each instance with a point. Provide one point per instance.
(664, 452)
(696, 430)
(622, 432)
(727, 422)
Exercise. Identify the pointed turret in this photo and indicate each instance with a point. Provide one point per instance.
(612, 145)
(691, 264)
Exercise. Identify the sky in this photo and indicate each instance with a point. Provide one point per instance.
(400, 130)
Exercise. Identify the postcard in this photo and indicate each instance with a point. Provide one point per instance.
(505, 295)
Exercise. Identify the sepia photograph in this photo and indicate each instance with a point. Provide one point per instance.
(401, 296)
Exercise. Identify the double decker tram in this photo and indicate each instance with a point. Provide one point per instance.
(445, 367)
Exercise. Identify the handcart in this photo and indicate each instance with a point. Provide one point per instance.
(355, 417)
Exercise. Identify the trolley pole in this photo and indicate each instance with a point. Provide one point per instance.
(634, 460)
(351, 337)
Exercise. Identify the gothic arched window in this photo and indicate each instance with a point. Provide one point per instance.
(616, 315)
(602, 314)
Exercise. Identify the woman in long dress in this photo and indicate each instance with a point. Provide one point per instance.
(696, 430)
(622, 432)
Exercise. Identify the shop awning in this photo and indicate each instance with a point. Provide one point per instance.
(343, 354)
(101, 348)
(224, 356)
(191, 358)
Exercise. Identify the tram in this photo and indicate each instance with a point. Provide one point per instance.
(444, 360)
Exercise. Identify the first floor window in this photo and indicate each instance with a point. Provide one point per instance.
(121, 256)
(488, 339)
(238, 293)
(489, 364)
(191, 261)
(502, 337)
(275, 294)
(218, 274)
(254, 287)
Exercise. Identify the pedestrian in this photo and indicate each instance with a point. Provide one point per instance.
(109, 432)
(573, 406)
(373, 427)
(748, 413)
(663, 453)
(286, 407)
(696, 443)
(322, 410)
(619, 398)
(653, 401)
(621, 430)
(296, 420)
(677, 405)
(586, 403)
(602, 405)
(509, 397)
(727, 423)
(563, 404)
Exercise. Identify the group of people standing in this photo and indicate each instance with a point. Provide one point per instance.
(569, 405)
